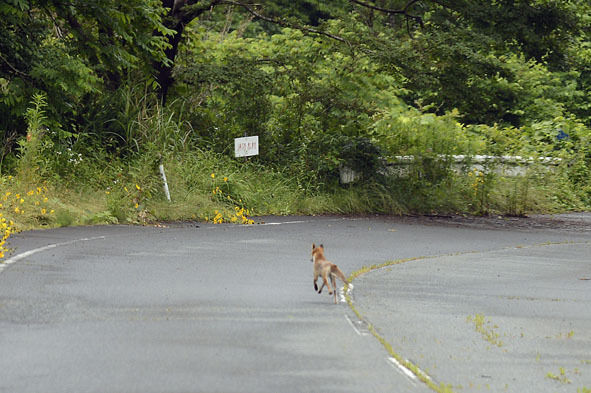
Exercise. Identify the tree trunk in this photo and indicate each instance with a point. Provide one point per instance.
(181, 12)
(164, 71)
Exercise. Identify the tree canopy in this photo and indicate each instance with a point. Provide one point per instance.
(510, 62)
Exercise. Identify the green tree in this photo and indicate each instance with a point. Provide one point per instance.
(74, 52)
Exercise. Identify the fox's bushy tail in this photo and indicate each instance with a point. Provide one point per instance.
(334, 270)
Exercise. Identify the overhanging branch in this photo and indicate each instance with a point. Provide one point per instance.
(251, 9)
(403, 11)
(191, 10)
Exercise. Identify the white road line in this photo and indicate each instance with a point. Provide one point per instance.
(260, 224)
(405, 371)
(342, 297)
(288, 222)
(281, 223)
(26, 254)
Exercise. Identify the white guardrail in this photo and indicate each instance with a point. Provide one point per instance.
(503, 165)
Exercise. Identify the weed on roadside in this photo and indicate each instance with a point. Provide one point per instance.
(22, 206)
(222, 193)
(561, 377)
(484, 326)
(6, 229)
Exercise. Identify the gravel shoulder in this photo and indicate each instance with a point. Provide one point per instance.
(572, 222)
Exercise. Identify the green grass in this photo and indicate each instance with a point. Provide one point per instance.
(106, 189)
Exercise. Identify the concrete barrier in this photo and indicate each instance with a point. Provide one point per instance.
(502, 165)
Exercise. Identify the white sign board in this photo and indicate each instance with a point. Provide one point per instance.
(247, 146)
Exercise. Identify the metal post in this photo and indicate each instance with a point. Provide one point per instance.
(166, 192)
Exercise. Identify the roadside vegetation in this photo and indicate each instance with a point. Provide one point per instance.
(93, 98)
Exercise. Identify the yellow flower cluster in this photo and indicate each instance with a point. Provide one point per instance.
(219, 218)
(33, 201)
(240, 215)
(478, 180)
(6, 229)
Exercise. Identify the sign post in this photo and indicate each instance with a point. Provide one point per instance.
(247, 146)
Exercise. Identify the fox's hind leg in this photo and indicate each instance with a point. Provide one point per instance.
(325, 282)
(334, 287)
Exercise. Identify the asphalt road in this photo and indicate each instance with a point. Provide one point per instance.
(224, 308)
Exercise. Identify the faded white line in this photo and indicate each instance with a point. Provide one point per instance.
(359, 332)
(26, 254)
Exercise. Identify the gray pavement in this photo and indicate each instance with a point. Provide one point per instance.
(204, 308)
(511, 320)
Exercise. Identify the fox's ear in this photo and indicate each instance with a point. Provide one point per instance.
(313, 246)
(321, 246)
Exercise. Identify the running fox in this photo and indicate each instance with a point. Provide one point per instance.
(324, 268)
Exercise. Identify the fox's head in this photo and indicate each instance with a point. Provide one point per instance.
(316, 251)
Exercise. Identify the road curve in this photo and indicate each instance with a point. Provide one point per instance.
(204, 308)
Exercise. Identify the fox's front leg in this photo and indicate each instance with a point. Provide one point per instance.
(315, 279)
(322, 286)
(325, 282)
